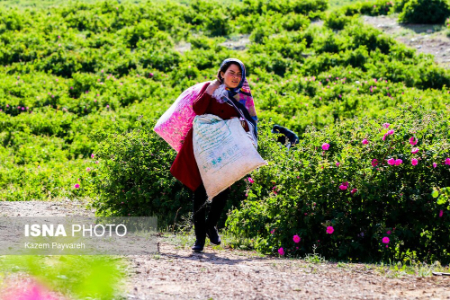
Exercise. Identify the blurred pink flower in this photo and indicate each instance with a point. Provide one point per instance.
(76, 186)
(273, 231)
(325, 146)
(398, 162)
(88, 169)
(385, 240)
(374, 162)
(388, 232)
(33, 291)
(386, 125)
(447, 161)
(354, 191)
(384, 136)
(345, 183)
(434, 165)
(337, 164)
(330, 229)
(414, 150)
(92, 155)
(413, 141)
(342, 187)
(250, 180)
(390, 132)
(441, 213)
(414, 161)
(296, 239)
(281, 251)
(391, 161)
(274, 190)
(365, 142)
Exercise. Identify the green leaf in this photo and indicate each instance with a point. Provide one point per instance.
(435, 194)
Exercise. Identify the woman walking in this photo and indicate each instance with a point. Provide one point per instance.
(232, 75)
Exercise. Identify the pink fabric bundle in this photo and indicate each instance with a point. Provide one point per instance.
(175, 123)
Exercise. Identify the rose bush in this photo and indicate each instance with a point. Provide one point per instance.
(346, 210)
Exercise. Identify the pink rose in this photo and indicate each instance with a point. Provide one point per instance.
(374, 162)
(413, 141)
(391, 161)
(384, 136)
(441, 213)
(398, 162)
(434, 165)
(386, 125)
(447, 161)
(388, 232)
(354, 191)
(365, 142)
(76, 186)
(342, 187)
(385, 240)
(337, 164)
(250, 180)
(330, 229)
(296, 239)
(414, 161)
(281, 251)
(390, 132)
(414, 150)
(325, 146)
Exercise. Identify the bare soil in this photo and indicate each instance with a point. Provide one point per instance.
(427, 39)
(178, 273)
(232, 274)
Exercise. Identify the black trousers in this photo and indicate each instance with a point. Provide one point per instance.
(217, 205)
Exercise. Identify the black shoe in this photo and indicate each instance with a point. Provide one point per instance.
(198, 246)
(213, 235)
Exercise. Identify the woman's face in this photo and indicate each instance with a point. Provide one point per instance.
(232, 76)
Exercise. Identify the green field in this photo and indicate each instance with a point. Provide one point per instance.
(55, 3)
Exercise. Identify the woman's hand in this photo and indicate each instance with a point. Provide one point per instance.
(213, 86)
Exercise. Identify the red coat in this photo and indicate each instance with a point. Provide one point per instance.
(185, 168)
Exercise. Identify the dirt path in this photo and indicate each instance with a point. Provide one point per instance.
(428, 39)
(227, 274)
(178, 273)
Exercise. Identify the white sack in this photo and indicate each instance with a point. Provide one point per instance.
(223, 151)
